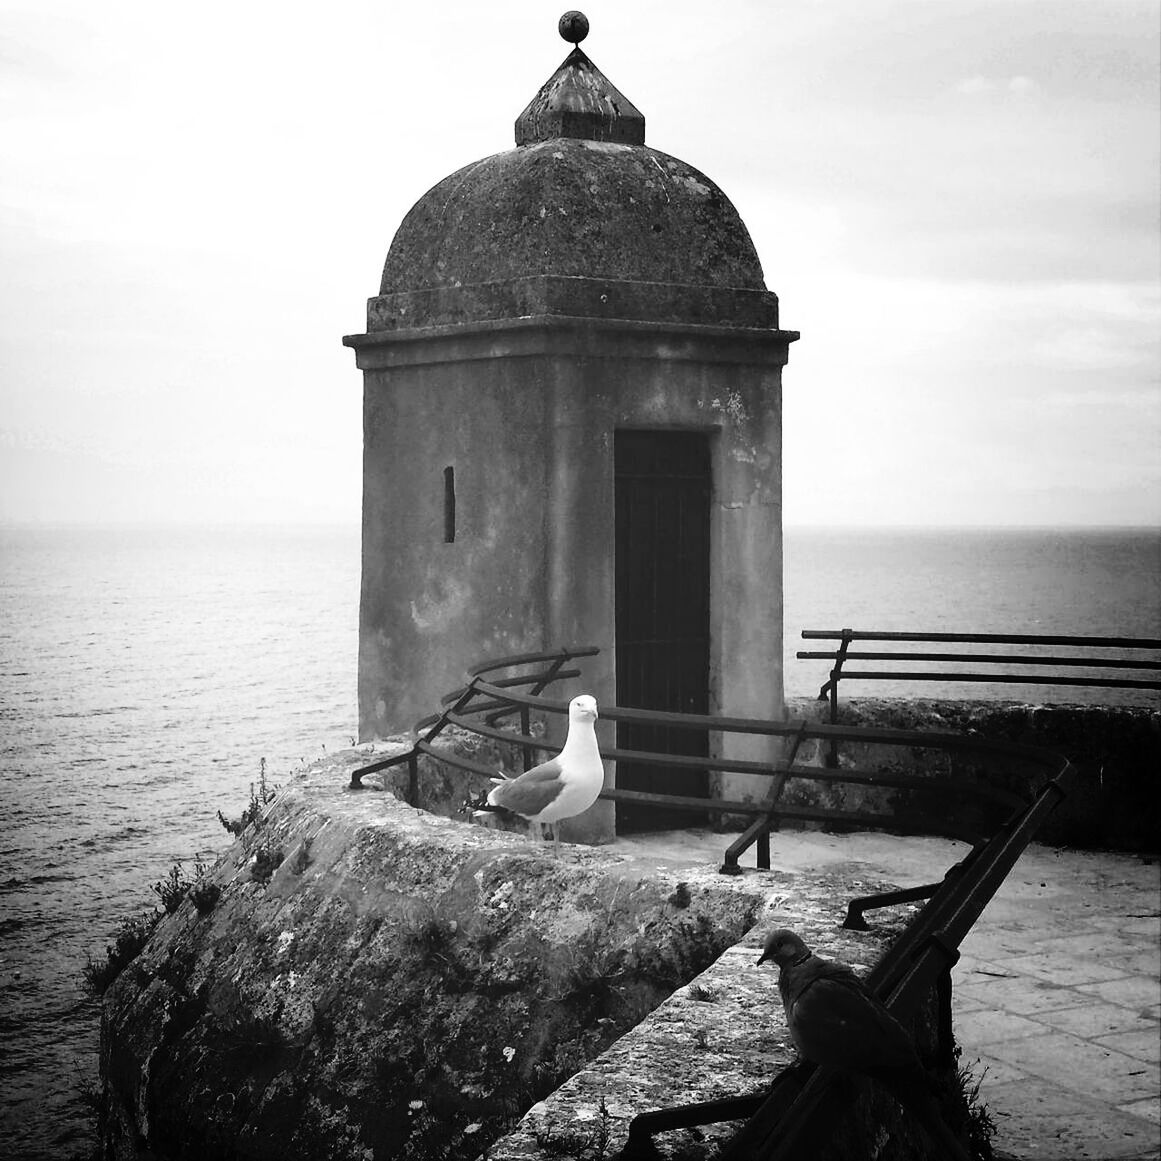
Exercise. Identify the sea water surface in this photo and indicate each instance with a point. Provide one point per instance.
(146, 673)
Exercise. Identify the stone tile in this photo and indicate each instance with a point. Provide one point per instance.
(1089, 943)
(972, 970)
(995, 944)
(1093, 1020)
(984, 1027)
(1004, 913)
(1149, 1108)
(1149, 926)
(962, 1003)
(1031, 1136)
(1144, 926)
(990, 1071)
(1132, 992)
(1025, 995)
(1042, 1097)
(1045, 891)
(1082, 1065)
(1144, 1043)
(1145, 963)
(1070, 970)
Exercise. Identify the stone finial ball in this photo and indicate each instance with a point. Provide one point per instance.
(574, 26)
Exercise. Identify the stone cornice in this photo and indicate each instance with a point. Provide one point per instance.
(570, 336)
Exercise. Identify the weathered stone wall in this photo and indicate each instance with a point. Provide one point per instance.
(1116, 800)
(530, 412)
(724, 1035)
(377, 981)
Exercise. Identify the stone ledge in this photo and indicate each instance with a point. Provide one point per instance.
(722, 1035)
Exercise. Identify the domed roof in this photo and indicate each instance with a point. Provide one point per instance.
(592, 209)
(581, 197)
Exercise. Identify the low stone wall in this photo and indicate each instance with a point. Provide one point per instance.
(1116, 800)
(724, 1035)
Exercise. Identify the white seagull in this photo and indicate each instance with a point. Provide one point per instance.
(560, 788)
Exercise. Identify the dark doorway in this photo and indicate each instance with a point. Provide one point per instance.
(662, 607)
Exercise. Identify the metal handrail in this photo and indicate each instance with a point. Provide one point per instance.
(843, 654)
(989, 659)
(477, 706)
(983, 638)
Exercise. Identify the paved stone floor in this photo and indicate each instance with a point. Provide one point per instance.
(1057, 993)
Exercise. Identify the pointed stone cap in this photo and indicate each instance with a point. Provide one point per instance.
(579, 101)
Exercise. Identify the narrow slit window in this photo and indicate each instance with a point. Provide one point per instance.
(449, 505)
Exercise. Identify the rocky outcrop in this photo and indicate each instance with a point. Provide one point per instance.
(374, 981)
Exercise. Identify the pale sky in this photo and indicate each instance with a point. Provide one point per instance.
(957, 202)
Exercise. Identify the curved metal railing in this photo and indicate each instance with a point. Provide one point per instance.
(487, 700)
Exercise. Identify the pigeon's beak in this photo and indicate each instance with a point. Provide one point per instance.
(762, 959)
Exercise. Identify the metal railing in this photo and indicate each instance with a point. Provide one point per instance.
(480, 705)
(999, 826)
(1111, 655)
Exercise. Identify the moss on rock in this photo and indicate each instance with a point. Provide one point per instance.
(409, 990)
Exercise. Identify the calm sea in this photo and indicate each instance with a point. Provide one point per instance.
(145, 674)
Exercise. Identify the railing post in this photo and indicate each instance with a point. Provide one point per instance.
(762, 853)
(945, 1038)
(526, 730)
(413, 779)
(835, 674)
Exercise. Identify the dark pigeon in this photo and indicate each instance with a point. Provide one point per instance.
(836, 1023)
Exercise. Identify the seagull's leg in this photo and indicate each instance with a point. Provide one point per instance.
(556, 839)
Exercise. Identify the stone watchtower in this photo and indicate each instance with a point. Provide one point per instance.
(572, 430)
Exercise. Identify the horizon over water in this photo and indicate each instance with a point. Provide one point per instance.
(145, 671)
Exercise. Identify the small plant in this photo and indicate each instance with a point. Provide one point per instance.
(91, 1097)
(254, 1032)
(593, 978)
(981, 1128)
(681, 897)
(267, 860)
(173, 889)
(205, 896)
(126, 946)
(703, 994)
(590, 1146)
(432, 938)
(701, 1038)
(260, 797)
